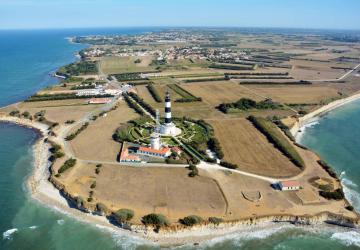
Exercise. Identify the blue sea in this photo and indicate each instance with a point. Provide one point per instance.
(26, 60)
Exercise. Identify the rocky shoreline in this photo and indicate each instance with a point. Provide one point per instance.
(45, 189)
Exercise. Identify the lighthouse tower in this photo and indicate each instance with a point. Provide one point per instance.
(167, 108)
(169, 128)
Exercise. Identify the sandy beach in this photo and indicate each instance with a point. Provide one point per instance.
(44, 192)
(312, 116)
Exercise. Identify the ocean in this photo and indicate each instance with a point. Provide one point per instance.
(27, 58)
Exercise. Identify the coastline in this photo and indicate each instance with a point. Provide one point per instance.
(312, 116)
(44, 192)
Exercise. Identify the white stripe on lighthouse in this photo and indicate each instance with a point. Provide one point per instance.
(167, 104)
(167, 115)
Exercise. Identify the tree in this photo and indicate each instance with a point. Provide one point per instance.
(123, 215)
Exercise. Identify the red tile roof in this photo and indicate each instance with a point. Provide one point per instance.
(162, 151)
(290, 183)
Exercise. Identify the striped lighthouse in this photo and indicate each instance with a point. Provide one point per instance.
(169, 128)
(167, 108)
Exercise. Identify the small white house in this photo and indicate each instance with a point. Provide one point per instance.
(289, 185)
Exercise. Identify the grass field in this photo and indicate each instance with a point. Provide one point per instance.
(244, 145)
(113, 65)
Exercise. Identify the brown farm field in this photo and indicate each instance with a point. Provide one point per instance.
(113, 65)
(295, 94)
(214, 93)
(95, 142)
(169, 191)
(244, 145)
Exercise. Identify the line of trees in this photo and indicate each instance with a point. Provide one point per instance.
(275, 137)
(154, 93)
(143, 104)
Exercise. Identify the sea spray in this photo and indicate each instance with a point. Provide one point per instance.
(7, 235)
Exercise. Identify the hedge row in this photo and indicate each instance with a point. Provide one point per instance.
(132, 104)
(154, 93)
(301, 82)
(143, 104)
(49, 97)
(274, 136)
(230, 67)
(206, 79)
(186, 95)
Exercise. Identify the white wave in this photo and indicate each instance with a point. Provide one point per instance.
(7, 235)
(351, 238)
(303, 128)
(238, 238)
(124, 239)
(351, 194)
(33, 227)
(60, 222)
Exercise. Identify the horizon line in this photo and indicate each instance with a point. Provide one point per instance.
(179, 27)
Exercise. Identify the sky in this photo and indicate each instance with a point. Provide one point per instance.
(40, 14)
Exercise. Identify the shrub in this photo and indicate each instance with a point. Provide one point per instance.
(123, 215)
(157, 220)
(93, 185)
(327, 168)
(194, 171)
(98, 165)
(215, 220)
(350, 208)
(191, 220)
(90, 199)
(77, 132)
(338, 194)
(67, 164)
(97, 170)
(228, 165)
(214, 145)
(101, 208)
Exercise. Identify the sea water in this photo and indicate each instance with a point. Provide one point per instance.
(27, 58)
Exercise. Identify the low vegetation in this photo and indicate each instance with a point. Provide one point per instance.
(230, 67)
(248, 104)
(191, 220)
(123, 215)
(228, 165)
(156, 220)
(337, 194)
(275, 137)
(67, 164)
(215, 220)
(193, 170)
(78, 68)
(328, 169)
(77, 132)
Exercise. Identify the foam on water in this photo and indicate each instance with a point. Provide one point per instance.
(60, 222)
(350, 192)
(239, 237)
(311, 124)
(7, 235)
(33, 227)
(351, 238)
(124, 239)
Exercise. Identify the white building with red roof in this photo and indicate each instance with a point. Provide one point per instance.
(161, 153)
(289, 185)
